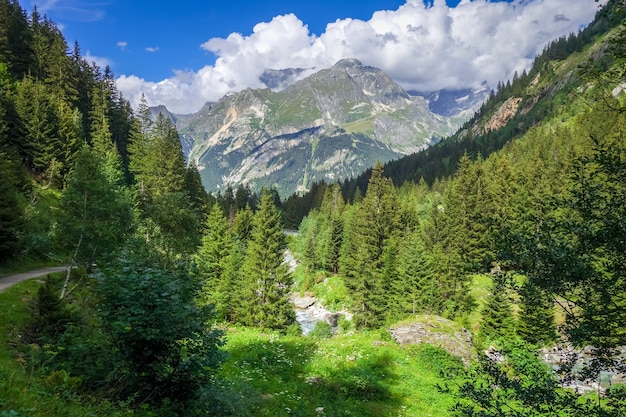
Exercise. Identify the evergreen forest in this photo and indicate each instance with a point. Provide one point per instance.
(178, 302)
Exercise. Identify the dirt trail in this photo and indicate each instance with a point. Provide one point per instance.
(10, 280)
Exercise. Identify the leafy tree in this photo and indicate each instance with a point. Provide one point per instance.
(515, 382)
(94, 215)
(166, 345)
(267, 280)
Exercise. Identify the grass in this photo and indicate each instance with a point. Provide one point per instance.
(25, 391)
(266, 374)
(364, 374)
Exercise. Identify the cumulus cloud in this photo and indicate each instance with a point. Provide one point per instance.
(122, 45)
(421, 47)
(152, 49)
(101, 62)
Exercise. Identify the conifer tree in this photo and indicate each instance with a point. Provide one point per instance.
(38, 123)
(94, 215)
(375, 225)
(415, 290)
(216, 265)
(497, 316)
(11, 208)
(243, 224)
(267, 278)
(169, 213)
(15, 38)
(331, 228)
(536, 316)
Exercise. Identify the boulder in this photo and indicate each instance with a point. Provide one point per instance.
(436, 331)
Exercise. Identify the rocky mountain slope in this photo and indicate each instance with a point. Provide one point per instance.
(332, 125)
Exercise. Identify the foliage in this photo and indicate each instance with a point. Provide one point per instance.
(95, 215)
(513, 381)
(266, 280)
(11, 210)
(166, 345)
(497, 315)
(322, 330)
(536, 323)
(219, 261)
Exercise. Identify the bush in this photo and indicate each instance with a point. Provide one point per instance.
(322, 330)
(167, 348)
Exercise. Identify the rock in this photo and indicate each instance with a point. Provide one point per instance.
(502, 116)
(303, 302)
(436, 331)
(332, 319)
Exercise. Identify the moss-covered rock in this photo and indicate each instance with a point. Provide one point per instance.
(436, 331)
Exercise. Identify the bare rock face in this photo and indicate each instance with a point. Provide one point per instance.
(435, 331)
(505, 113)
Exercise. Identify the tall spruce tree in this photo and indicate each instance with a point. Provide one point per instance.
(497, 315)
(536, 323)
(267, 278)
(375, 225)
(217, 264)
(415, 290)
(94, 215)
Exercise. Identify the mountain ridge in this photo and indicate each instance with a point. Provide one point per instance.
(330, 125)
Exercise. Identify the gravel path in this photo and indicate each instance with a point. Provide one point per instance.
(10, 280)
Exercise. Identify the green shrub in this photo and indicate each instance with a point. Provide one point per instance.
(322, 330)
(163, 338)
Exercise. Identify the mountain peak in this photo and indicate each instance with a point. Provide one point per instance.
(348, 63)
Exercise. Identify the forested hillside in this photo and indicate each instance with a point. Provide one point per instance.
(178, 303)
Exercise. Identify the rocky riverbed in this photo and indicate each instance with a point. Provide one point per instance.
(310, 311)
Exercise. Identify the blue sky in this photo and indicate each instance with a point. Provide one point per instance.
(183, 54)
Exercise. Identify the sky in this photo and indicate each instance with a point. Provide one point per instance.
(184, 54)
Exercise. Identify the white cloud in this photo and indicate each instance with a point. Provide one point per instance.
(424, 48)
(152, 49)
(102, 62)
(122, 45)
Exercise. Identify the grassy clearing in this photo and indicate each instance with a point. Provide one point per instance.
(266, 374)
(364, 374)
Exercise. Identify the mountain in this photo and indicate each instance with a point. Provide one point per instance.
(551, 89)
(331, 125)
(452, 103)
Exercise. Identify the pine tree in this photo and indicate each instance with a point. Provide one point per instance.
(497, 316)
(375, 225)
(38, 124)
(415, 290)
(331, 228)
(218, 260)
(15, 38)
(243, 224)
(267, 278)
(536, 316)
(11, 209)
